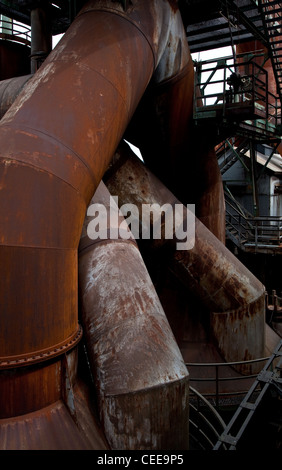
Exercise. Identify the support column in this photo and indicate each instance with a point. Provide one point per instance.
(41, 36)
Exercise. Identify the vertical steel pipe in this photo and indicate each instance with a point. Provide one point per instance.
(41, 35)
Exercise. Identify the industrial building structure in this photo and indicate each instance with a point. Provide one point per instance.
(125, 342)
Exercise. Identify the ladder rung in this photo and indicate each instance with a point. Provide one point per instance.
(228, 439)
(248, 405)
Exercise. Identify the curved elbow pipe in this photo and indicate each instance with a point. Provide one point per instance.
(233, 295)
(180, 153)
(131, 348)
(57, 140)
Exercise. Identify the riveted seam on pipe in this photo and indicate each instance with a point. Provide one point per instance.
(34, 357)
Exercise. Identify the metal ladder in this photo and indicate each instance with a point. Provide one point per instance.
(269, 377)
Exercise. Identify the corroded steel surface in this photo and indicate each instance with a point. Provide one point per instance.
(31, 381)
(178, 153)
(9, 90)
(51, 428)
(56, 141)
(58, 138)
(14, 59)
(142, 381)
(209, 269)
(47, 406)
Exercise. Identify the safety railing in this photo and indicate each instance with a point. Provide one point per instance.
(205, 423)
(268, 378)
(273, 306)
(221, 382)
(249, 231)
(12, 30)
(225, 88)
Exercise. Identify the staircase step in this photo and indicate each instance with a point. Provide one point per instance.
(270, 15)
(269, 4)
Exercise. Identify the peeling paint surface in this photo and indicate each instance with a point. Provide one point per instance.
(131, 346)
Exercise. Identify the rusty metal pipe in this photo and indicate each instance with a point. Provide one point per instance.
(56, 142)
(179, 153)
(141, 380)
(9, 90)
(229, 290)
(41, 35)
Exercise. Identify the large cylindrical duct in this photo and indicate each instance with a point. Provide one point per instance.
(235, 298)
(141, 380)
(179, 153)
(9, 90)
(57, 140)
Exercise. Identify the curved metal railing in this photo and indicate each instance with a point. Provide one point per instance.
(205, 423)
(213, 379)
(12, 30)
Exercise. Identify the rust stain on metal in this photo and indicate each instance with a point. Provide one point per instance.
(57, 140)
(173, 4)
(209, 269)
(130, 344)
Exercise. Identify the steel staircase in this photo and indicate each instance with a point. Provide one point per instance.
(249, 233)
(264, 400)
(229, 152)
(271, 12)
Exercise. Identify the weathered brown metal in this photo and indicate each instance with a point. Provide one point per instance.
(55, 430)
(56, 142)
(14, 59)
(41, 35)
(230, 291)
(48, 168)
(177, 152)
(141, 380)
(47, 406)
(9, 90)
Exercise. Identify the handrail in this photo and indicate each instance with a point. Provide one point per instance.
(258, 231)
(204, 420)
(249, 98)
(216, 379)
(12, 30)
(269, 376)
